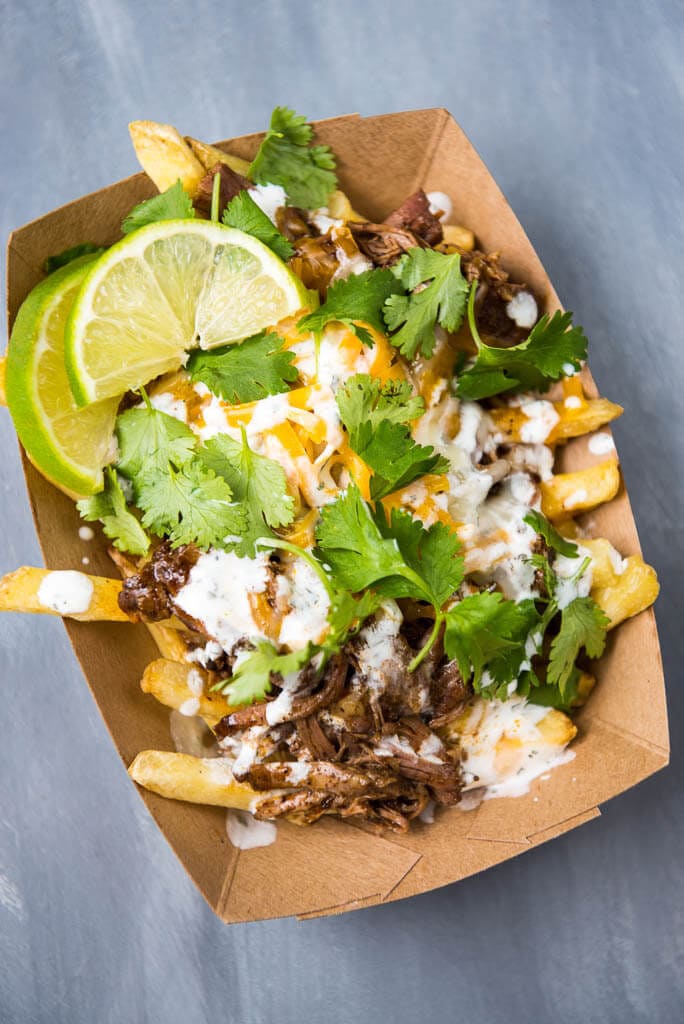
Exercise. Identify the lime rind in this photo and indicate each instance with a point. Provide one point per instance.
(45, 426)
(165, 289)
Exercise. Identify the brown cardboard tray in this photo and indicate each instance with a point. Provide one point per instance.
(334, 866)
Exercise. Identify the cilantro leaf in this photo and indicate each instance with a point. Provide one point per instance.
(541, 525)
(583, 625)
(398, 558)
(442, 300)
(173, 204)
(365, 401)
(376, 416)
(285, 157)
(253, 677)
(244, 214)
(258, 484)
(358, 299)
(530, 366)
(433, 554)
(255, 368)
(189, 504)
(118, 522)
(61, 259)
(350, 542)
(149, 439)
(486, 631)
(397, 460)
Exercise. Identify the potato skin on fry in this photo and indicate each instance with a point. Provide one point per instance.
(19, 593)
(209, 156)
(165, 156)
(198, 780)
(168, 682)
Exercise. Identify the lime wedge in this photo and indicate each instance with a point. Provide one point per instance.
(167, 288)
(67, 444)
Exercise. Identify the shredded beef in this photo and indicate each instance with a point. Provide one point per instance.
(329, 691)
(415, 216)
(148, 596)
(381, 243)
(232, 183)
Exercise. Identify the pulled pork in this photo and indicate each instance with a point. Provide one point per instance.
(231, 184)
(148, 595)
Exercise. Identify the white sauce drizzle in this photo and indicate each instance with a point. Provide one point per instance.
(541, 419)
(307, 619)
(85, 533)
(66, 591)
(248, 833)
(601, 444)
(441, 204)
(268, 198)
(217, 594)
(509, 770)
(522, 309)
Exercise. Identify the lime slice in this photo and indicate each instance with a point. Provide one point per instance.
(67, 444)
(166, 288)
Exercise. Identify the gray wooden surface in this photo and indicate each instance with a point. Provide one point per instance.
(577, 109)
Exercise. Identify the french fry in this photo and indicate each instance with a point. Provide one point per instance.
(455, 234)
(32, 590)
(198, 780)
(567, 494)
(631, 592)
(340, 207)
(591, 414)
(504, 746)
(165, 155)
(209, 156)
(168, 682)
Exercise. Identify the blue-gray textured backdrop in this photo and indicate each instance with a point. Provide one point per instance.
(577, 109)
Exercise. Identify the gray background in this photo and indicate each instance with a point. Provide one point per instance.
(577, 109)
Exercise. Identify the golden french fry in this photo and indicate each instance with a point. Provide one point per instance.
(455, 234)
(340, 207)
(567, 494)
(56, 592)
(606, 561)
(632, 591)
(591, 414)
(209, 156)
(168, 681)
(502, 749)
(3, 370)
(165, 155)
(199, 780)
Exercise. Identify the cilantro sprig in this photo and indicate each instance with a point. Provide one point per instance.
(396, 558)
(286, 157)
(355, 301)
(118, 522)
(173, 204)
(583, 625)
(221, 494)
(255, 673)
(541, 525)
(244, 214)
(437, 294)
(255, 368)
(533, 365)
(376, 416)
(258, 484)
(485, 631)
